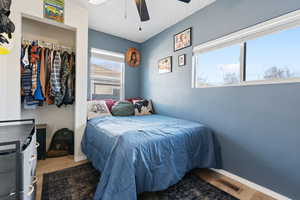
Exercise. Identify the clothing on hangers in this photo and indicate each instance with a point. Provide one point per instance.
(47, 75)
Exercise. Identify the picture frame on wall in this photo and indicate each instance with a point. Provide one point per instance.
(54, 10)
(183, 39)
(182, 60)
(165, 65)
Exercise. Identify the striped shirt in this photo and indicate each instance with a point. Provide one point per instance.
(55, 75)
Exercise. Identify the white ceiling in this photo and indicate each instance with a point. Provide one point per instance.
(109, 17)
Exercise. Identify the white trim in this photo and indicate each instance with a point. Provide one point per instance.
(122, 95)
(48, 21)
(107, 53)
(80, 158)
(274, 25)
(242, 61)
(252, 185)
(194, 64)
(252, 83)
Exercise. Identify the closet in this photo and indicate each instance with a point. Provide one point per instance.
(59, 39)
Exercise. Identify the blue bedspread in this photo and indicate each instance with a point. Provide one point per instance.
(146, 153)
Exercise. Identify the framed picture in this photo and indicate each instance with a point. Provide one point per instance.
(182, 60)
(133, 57)
(183, 39)
(54, 9)
(165, 65)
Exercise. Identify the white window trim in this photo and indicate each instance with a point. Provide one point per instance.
(121, 56)
(122, 96)
(278, 24)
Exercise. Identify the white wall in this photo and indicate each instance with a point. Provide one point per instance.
(75, 17)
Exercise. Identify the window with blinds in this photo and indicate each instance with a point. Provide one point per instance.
(106, 75)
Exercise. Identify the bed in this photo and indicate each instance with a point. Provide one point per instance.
(136, 154)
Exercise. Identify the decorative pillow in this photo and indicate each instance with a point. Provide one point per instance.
(134, 99)
(122, 108)
(143, 107)
(97, 109)
(110, 103)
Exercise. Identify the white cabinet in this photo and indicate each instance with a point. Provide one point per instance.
(18, 159)
(29, 170)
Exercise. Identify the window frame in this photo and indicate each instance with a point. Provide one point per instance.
(285, 22)
(109, 54)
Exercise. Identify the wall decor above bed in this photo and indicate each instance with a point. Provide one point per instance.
(183, 39)
(182, 60)
(133, 57)
(165, 65)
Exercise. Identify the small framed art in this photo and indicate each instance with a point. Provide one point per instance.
(165, 65)
(182, 60)
(54, 9)
(183, 39)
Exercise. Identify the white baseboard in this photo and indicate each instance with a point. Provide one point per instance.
(80, 158)
(251, 184)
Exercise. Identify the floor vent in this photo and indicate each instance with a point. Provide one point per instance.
(230, 185)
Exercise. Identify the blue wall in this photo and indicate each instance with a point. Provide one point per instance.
(111, 43)
(258, 126)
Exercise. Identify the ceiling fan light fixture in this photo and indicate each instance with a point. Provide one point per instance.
(97, 2)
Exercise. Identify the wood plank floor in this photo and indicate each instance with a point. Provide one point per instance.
(226, 184)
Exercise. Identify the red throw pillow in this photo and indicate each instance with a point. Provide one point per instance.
(134, 99)
(110, 103)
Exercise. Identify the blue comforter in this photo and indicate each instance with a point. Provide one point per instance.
(146, 153)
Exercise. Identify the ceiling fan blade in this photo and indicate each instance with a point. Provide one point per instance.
(142, 9)
(185, 1)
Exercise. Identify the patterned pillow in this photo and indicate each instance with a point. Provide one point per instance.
(143, 107)
(122, 108)
(97, 109)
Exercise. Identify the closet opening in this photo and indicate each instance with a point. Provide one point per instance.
(48, 74)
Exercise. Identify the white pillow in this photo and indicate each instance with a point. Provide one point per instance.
(97, 109)
(142, 107)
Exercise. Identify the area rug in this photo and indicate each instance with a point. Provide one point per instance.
(79, 183)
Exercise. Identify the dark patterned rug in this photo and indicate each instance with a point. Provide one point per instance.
(79, 183)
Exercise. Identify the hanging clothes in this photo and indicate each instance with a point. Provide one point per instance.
(26, 80)
(48, 64)
(42, 71)
(38, 95)
(47, 75)
(34, 56)
(56, 77)
(70, 83)
(65, 67)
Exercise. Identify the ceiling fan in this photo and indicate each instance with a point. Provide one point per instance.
(143, 10)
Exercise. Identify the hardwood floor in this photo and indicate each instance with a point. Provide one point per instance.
(226, 184)
(231, 186)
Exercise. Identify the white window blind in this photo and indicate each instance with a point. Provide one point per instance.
(106, 75)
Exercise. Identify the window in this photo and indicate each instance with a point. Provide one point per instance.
(221, 71)
(266, 53)
(274, 56)
(106, 75)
